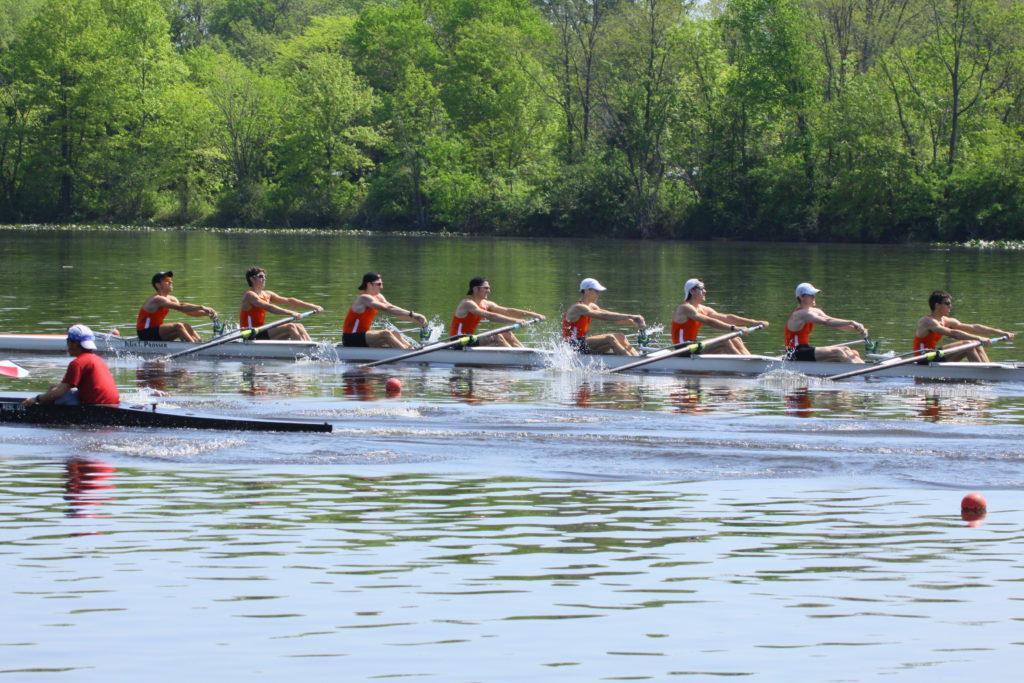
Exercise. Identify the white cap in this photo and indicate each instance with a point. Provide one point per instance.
(83, 335)
(591, 283)
(806, 288)
(690, 284)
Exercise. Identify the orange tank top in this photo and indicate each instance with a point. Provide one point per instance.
(466, 324)
(576, 330)
(147, 320)
(358, 322)
(253, 317)
(801, 337)
(688, 331)
(928, 342)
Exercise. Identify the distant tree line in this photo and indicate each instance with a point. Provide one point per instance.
(856, 120)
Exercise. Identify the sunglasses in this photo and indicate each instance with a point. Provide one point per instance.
(261, 276)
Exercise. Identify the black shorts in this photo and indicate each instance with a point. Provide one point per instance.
(354, 339)
(149, 334)
(262, 335)
(804, 352)
(925, 361)
(579, 346)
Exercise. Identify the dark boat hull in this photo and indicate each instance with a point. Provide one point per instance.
(137, 415)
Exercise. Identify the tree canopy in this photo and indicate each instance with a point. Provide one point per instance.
(857, 120)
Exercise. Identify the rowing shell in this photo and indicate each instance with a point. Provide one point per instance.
(703, 364)
(137, 415)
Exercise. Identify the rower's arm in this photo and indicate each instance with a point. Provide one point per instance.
(253, 301)
(514, 314)
(620, 318)
(194, 310)
(983, 330)
(496, 313)
(386, 306)
(292, 301)
(820, 318)
(48, 396)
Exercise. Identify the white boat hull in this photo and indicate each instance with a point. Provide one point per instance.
(704, 364)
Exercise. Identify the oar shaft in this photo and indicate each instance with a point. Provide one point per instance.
(926, 356)
(238, 334)
(693, 347)
(461, 340)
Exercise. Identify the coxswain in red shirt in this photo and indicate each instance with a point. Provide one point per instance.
(258, 301)
(356, 329)
(150, 326)
(938, 324)
(87, 381)
(576, 323)
(692, 314)
(797, 333)
(477, 306)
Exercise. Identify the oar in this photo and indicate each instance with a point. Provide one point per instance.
(10, 369)
(928, 356)
(692, 347)
(462, 340)
(247, 333)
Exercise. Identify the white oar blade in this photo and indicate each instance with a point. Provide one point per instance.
(9, 369)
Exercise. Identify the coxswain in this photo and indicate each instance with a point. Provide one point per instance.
(692, 314)
(938, 324)
(803, 319)
(150, 324)
(258, 301)
(356, 329)
(477, 306)
(87, 381)
(576, 324)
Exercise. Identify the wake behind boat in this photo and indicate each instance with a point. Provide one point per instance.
(142, 415)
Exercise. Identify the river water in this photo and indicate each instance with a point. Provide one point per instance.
(500, 525)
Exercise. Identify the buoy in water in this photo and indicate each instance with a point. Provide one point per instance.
(393, 386)
(973, 508)
(974, 502)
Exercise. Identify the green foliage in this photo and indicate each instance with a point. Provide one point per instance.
(866, 120)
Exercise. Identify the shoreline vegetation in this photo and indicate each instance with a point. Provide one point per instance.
(1006, 245)
(869, 121)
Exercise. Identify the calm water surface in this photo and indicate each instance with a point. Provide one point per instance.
(492, 525)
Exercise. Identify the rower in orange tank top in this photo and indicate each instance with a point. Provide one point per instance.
(356, 332)
(147, 320)
(254, 316)
(938, 324)
(464, 325)
(358, 322)
(692, 314)
(577, 329)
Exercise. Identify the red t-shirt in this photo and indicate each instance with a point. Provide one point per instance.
(91, 375)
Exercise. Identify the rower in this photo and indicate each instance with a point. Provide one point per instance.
(150, 326)
(258, 300)
(692, 314)
(938, 324)
(356, 329)
(476, 306)
(803, 319)
(87, 381)
(576, 324)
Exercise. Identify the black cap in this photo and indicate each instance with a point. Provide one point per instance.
(160, 276)
(369, 277)
(475, 282)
